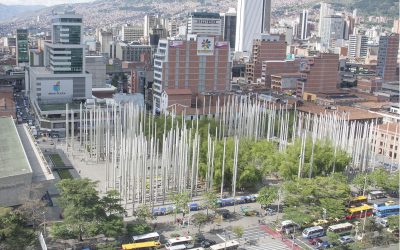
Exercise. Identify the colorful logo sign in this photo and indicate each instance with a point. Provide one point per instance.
(205, 46)
(57, 86)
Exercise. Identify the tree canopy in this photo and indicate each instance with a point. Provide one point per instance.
(85, 213)
(307, 199)
(14, 232)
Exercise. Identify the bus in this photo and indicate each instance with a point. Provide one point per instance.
(185, 242)
(287, 226)
(357, 201)
(359, 212)
(385, 211)
(142, 245)
(313, 232)
(228, 245)
(376, 195)
(154, 236)
(341, 229)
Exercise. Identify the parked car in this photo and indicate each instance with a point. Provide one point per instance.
(224, 213)
(207, 243)
(390, 203)
(346, 239)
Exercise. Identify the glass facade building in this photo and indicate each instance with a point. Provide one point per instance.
(22, 46)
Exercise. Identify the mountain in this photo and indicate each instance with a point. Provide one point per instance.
(389, 8)
(10, 11)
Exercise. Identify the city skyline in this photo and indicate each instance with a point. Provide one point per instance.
(43, 2)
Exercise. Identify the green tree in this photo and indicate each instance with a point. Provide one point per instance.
(306, 199)
(238, 231)
(211, 199)
(199, 219)
(138, 228)
(393, 221)
(143, 213)
(181, 201)
(267, 195)
(85, 213)
(13, 230)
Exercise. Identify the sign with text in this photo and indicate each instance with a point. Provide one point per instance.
(56, 88)
(205, 46)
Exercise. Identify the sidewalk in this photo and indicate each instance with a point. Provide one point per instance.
(278, 235)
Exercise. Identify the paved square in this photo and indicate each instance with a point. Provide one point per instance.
(257, 239)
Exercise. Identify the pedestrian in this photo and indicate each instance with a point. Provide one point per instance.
(79, 171)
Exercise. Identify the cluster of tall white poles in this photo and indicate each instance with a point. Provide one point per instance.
(146, 168)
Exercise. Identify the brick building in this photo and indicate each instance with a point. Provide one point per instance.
(201, 64)
(387, 57)
(276, 67)
(268, 48)
(321, 74)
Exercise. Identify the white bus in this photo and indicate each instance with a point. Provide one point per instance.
(313, 232)
(228, 245)
(185, 242)
(376, 195)
(287, 226)
(146, 237)
(342, 228)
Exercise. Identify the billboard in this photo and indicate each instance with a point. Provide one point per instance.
(176, 44)
(205, 46)
(56, 88)
(221, 44)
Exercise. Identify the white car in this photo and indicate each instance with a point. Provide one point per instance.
(346, 239)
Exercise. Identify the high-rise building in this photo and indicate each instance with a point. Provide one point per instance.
(204, 23)
(96, 65)
(228, 24)
(303, 25)
(253, 19)
(151, 21)
(269, 47)
(332, 30)
(325, 10)
(396, 26)
(22, 47)
(358, 46)
(321, 74)
(131, 33)
(197, 65)
(132, 52)
(64, 76)
(387, 57)
(105, 37)
(172, 28)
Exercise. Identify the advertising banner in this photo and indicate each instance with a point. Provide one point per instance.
(221, 44)
(56, 88)
(176, 44)
(205, 46)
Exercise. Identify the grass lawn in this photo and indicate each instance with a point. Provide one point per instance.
(57, 161)
(64, 174)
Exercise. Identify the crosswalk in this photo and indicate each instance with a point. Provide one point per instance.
(256, 239)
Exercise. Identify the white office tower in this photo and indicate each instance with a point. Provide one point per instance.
(64, 76)
(358, 46)
(131, 33)
(253, 18)
(105, 38)
(304, 25)
(151, 21)
(332, 29)
(204, 23)
(325, 10)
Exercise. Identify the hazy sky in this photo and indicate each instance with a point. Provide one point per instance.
(41, 2)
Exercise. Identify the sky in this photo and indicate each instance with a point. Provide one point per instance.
(41, 2)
